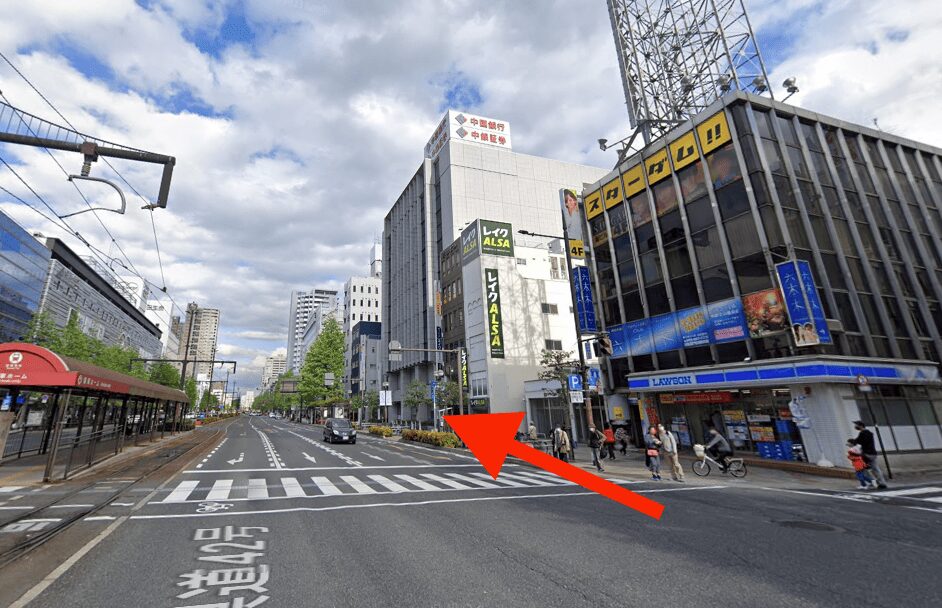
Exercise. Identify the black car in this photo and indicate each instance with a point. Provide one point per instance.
(339, 429)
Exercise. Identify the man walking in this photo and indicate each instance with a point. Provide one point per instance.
(561, 444)
(596, 439)
(669, 445)
(864, 439)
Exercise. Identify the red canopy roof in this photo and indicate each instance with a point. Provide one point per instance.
(28, 365)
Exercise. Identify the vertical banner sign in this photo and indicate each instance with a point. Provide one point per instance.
(464, 368)
(585, 306)
(439, 338)
(572, 223)
(495, 323)
(814, 302)
(806, 317)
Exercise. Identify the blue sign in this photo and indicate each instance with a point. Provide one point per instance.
(665, 332)
(727, 321)
(619, 340)
(595, 377)
(585, 305)
(694, 327)
(7, 402)
(432, 386)
(439, 338)
(817, 311)
(575, 382)
(640, 340)
(809, 327)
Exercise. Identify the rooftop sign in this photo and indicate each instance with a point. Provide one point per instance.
(467, 127)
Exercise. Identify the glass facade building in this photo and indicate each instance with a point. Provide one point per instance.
(24, 263)
(693, 241)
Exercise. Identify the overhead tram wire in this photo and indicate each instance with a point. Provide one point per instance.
(107, 162)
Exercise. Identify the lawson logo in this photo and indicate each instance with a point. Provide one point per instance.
(672, 381)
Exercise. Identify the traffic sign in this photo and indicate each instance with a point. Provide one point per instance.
(576, 397)
(575, 382)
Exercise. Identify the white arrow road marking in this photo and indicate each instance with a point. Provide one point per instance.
(309, 457)
(237, 460)
(368, 455)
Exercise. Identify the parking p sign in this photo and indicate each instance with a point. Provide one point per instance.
(575, 382)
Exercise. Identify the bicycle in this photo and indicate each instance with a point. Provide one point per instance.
(701, 467)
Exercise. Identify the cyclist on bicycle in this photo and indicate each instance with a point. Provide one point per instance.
(719, 448)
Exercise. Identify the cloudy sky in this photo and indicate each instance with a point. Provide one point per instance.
(296, 123)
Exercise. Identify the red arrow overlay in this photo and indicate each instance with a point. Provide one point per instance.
(490, 438)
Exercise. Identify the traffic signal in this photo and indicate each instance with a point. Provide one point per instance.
(604, 346)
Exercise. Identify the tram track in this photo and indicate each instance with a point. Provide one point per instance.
(174, 455)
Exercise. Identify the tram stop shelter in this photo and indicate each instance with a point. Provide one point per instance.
(74, 413)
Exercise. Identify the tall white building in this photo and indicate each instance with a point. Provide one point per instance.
(275, 366)
(199, 338)
(159, 311)
(329, 308)
(362, 301)
(469, 172)
(303, 305)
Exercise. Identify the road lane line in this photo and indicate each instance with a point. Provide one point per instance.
(181, 492)
(910, 492)
(258, 488)
(357, 485)
(477, 482)
(389, 484)
(292, 487)
(424, 485)
(446, 482)
(220, 490)
(326, 486)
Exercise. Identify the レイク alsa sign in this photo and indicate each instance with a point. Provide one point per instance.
(495, 332)
(496, 238)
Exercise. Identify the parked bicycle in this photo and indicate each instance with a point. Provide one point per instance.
(702, 467)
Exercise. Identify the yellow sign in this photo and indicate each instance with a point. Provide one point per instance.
(618, 412)
(576, 249)
(657, 167)
(593, 204)
(634, 180)
(684, 151)
(713, 132)
(612, 193)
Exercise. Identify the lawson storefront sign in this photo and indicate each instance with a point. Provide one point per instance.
(778, 374)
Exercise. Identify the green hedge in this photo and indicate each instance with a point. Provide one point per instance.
(383, 431)
(445, 440)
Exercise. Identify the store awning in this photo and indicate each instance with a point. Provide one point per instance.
(29, 366)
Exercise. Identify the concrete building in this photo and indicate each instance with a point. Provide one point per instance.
(362, 301)
(367, 358)
(24, 263)
(199, 338)
(275, 366)
(469, 171)
(247, 400)
(775, 273)
(303, 305)
(159, 310)
(103, 313)
(329, 308)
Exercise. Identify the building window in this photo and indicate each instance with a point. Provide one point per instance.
(521, 261)
(549, 309)
(554, 344)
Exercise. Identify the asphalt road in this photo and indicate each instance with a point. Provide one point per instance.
(274, 516)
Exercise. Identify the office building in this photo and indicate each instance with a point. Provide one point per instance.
(275, 366)
(24, 263)
(469, 171)
(367, 358)
(198, 340)
(303, 305)
(775, 273)
(329, 308)
(362, 301)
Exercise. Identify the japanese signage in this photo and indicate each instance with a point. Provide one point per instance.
(585, 306)
(231, 574)
(469, 243)
(494, 320)
(593, 204)
(467, 127)
(805, 314)
(711, 397)
(496, 238)
(576, 249)
(464, 368)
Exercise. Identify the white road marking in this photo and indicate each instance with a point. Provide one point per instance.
(21, 507)
(181, 492)
(309, 457)
(258, 488)
(501, 480)
(424, 485)
(292, 487)
(357, 485)
(237, 460)
(326, 486)
(532, 480)
(337, 468)
(72, 506)
(910, 492)
(554, 478)
(387, 483)
(477, 482)
(221, 489)
(446, 482)
(9, 489)
(122, 504)
(99, 518)
(368, 455)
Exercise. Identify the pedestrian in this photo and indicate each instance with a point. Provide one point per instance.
(653, 452)
(621, 437)
(669, 443)
(561, 445)
(596, 441)
(869, 452)
(855, 455)
(572, 443)
(532, 431)
(609, 444)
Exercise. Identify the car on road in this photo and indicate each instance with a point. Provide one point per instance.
(339, 429)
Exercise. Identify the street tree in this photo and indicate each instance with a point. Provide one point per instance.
(190, 389)
(43, 331)
(447, 395)
(417, 395)
(74, 343)
(324, 356)
(164, 373)
(557, 366)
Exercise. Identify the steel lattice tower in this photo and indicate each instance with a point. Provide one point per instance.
(678, 56)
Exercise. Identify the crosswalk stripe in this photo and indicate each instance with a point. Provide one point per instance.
(531, 480)
(292, 487)
(937, 499)
(6, 489)
(220, 490)
(325, 486)
(477, 482)
(500, 480)
(910, 491)
(389, 484)
(547, 477)
(357, 485)
(444, 481)
(258, 488)
(423, 485)
(181, 492)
